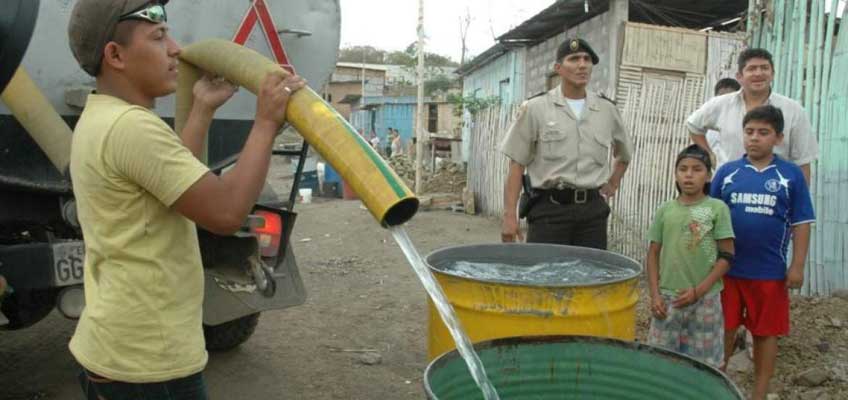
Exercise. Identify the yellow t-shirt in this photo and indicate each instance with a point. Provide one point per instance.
(143, 275)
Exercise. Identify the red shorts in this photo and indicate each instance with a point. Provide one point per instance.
(761, 305)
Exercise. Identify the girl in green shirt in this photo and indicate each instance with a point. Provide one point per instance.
(691, 248)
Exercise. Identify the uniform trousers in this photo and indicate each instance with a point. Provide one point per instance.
(575, 224)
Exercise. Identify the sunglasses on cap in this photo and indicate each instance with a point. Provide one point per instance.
(154, 13)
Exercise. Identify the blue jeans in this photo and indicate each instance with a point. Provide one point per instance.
(96, 387)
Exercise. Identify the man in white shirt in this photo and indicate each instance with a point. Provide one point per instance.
(723, 86)
(724, 114)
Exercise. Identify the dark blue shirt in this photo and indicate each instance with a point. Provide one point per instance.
(764, 206)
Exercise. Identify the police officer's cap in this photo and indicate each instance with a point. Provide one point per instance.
(575, 45)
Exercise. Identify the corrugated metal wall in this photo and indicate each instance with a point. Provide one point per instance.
(502, 77)
(811, 64)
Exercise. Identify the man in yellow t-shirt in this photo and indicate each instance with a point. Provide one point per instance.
(140, 190)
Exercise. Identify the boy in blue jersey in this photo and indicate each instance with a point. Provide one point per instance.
(769, 203)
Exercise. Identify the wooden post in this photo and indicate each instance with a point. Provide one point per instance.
(419, 123)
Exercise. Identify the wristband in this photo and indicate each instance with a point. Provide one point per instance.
(729, 257)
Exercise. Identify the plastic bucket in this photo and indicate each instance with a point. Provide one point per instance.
(578, 367)
(305, 195)
(347, 192)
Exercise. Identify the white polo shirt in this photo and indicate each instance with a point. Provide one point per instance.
(724, 114)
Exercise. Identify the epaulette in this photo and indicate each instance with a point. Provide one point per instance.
(536, 95)
(603, 96)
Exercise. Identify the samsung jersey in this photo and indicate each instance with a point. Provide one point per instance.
(764, 206)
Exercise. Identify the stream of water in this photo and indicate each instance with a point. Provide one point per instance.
(463, 344)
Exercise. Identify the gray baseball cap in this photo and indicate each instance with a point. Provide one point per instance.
(92, 26)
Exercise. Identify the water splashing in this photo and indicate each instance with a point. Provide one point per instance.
(475, 366)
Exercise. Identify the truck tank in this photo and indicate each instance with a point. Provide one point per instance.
(41, 246)
(308, 30)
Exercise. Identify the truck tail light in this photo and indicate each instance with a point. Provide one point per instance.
(270, 234)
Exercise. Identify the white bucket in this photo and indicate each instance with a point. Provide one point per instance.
(305, 195)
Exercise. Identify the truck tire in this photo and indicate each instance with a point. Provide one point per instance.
(230, 334)
(26, 307)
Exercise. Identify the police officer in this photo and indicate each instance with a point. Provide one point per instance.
(562, 140)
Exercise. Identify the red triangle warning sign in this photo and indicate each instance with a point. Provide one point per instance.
(258, 12)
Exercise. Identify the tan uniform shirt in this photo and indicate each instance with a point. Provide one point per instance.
(559, 149)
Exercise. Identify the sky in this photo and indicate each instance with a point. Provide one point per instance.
(391, 24)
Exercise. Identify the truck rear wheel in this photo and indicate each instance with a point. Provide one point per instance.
(26, 307)
(230, 334)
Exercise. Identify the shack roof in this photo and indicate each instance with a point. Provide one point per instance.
(564, 14)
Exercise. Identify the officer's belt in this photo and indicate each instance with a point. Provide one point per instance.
(569, 195)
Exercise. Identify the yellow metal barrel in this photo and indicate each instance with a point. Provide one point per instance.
(388, 199)
(492, 307)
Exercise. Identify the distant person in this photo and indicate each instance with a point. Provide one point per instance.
(722, 87)
(397, 144)
(389, 140)
(375, 141)
(691, 248)
(724, 114)
(769, 203)
(562, 140)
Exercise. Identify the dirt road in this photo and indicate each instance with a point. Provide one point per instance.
(361, 296)
(364, 299)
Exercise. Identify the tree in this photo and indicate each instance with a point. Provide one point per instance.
(408, 57)
(430, 59)
(399, 58)
(464, 23)
(471, 103)
(358, 54)
(440, 82)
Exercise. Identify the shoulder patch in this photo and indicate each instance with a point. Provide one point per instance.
(604, 96)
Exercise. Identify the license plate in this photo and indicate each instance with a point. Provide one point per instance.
(68, 263)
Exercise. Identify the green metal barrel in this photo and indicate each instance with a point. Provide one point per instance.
(578, 367)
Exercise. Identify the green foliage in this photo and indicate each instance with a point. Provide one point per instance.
(358, 54)
(441, 83)
(471, 103)
(400, 58)
(372, 55)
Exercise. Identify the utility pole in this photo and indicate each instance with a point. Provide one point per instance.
(362, 101)
(419, 128)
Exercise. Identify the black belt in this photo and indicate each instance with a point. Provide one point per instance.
(570, 196)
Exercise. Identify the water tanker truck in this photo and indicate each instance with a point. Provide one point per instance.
(43, 92)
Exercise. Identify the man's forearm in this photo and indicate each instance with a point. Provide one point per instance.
(806, 170)
(512, 188)
(196, 128)
(619, 168)
(247, 178)
(701, 140)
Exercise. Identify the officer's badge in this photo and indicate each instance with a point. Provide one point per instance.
(574, 45)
